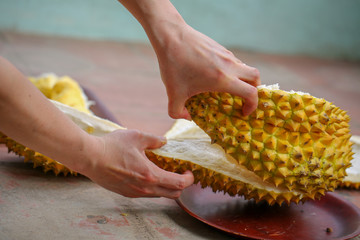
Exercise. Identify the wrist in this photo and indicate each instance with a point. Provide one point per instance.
(161, 21)
(85, 158)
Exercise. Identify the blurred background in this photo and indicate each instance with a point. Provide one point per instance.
(320, 28)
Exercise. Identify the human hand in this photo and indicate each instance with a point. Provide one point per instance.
(191, 63)
(123, 167)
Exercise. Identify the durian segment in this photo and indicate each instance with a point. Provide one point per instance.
(292, 140)
(352, 180)
(62, 89)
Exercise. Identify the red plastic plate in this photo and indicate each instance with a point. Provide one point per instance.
(329, 218)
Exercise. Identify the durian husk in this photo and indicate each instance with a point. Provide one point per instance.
(292, 140)
(61, 89)
(190, 148)
(352, 180)
(294, 147)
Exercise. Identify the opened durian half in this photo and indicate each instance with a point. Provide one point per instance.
(294, 147)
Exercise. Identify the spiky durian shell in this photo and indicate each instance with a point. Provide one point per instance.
(38, 159)
(292, 140)
(349, 184)
(352, 180)
(219, 182)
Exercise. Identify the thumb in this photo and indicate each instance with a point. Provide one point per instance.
(177, 109)
(150, 141)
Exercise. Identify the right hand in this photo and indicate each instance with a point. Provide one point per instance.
(193, 63)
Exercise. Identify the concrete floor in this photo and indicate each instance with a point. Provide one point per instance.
(34, 205)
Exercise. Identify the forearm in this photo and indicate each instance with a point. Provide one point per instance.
(159, 18)
(27, 117)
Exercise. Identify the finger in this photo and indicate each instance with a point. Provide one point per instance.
(149, 189)
(248, 92)
(176, 108)
(150, 141)
(164, 192)
(174, 180)
(249, 74)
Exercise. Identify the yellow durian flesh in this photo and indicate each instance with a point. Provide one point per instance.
(62, 89)
(292, 140)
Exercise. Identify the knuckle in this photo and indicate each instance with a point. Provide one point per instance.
(173, 114)
(135, 133)
(149, 178)
(255, 73)
(252, 92)
(220, 76)
(181, 185)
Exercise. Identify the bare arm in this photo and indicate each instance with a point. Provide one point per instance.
(189, 61)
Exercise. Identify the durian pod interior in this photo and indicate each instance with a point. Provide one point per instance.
(294, 147)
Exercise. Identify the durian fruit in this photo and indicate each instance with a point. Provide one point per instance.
(62, 89)
(352, 180)
(294, 147)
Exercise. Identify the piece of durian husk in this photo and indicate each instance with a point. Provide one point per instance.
(352, 180)
(294, 147)
(62, 89)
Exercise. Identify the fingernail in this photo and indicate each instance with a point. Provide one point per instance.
(163, 140)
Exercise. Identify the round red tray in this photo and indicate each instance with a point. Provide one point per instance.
(329, 218)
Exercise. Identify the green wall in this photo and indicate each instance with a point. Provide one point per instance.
(324, 28)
